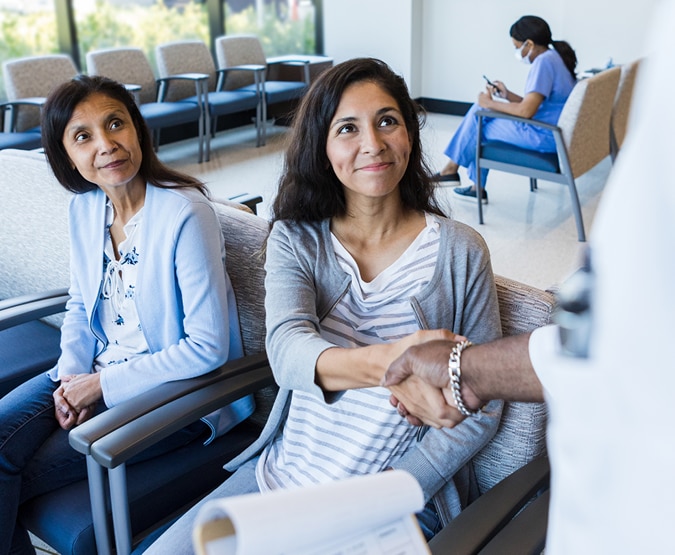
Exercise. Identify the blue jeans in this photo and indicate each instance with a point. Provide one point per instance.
(177, 540)
(36, 458)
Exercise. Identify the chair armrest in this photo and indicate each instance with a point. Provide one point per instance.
(198, 78)
(288, 61)
(251, 201)
(11, 105)
(257, 69)
(25, 308)
(28, 101)
(123, 443)
(483, 519)
(501, 115)
(83, 436)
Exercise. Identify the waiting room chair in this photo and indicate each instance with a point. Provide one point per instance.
(519, 440)
(622, 103)
(131, 67)
(33, 248)
(510, 518)
(193, 56)
(28, 81)
(245, 54)
(144, 494)
(581, 136)
(23, 140)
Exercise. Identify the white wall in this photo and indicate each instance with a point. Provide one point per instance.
(387, 29)
(443, 47)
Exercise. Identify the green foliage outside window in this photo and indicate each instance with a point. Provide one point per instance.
(142, 26)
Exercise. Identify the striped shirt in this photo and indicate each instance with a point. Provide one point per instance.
(360, 433)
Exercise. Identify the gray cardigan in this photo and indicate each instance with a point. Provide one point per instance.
(303, 283)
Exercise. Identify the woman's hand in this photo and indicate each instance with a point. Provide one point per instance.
(75, 399)
(65, 415)
(500, 89)
(422, 403)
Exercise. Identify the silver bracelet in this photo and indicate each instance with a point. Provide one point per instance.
(455, 372)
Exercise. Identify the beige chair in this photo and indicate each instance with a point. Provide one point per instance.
(581, 138)
(194, 57)
(245, 59)
(28, 81)
(131, 67)
(622, 103)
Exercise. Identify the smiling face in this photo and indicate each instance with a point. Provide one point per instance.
(368, 145)
(102, 144)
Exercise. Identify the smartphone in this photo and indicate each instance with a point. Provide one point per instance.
(490, 82)
(497, 95)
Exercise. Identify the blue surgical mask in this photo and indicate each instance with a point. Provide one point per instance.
(519, 55)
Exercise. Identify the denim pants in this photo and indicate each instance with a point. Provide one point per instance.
(36, 458)
(177, 540)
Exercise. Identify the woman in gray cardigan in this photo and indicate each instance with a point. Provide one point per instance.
(360, 265)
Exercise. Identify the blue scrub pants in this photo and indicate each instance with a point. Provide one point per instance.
(462, 146)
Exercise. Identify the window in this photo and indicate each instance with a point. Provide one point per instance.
(283, 26)
(27, 28)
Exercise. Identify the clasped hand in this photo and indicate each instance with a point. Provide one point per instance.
(420, 384)
(75, 399)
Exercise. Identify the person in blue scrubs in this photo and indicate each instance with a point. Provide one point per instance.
(549, 83)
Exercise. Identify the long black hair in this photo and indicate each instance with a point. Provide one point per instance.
(308, 189)
(537, 30)
(57, 112)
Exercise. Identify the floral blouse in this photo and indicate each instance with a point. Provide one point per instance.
(117, 308)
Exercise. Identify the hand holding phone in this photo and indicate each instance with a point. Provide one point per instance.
(496, 91)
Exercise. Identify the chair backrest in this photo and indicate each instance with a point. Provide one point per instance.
(585, 120)
(34, 245)
(129, 66)
(245, 238)
(236, 50)
(622, 101)
(35, 76)
(521, 435)
(185, 56)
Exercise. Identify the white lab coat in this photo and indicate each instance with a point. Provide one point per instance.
(611, 431)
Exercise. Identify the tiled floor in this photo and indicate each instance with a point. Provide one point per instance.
(531, 236)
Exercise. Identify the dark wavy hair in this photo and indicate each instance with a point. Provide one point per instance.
(57, 112)
(308, 189)
(537, 30)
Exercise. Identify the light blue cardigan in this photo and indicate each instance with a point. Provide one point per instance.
(304, 281)
(183, 296)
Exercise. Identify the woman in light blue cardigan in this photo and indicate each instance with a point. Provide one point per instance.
(150, 301)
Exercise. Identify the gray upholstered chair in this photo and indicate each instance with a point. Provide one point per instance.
(521, 436)
(34, 254)
(519, 440)
(193, 56)
(28, 81)
(244, 57)
(512, 469)
(622, 103)
(131, 67)
(581, 136)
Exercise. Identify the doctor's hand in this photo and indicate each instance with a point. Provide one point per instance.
(428, 363)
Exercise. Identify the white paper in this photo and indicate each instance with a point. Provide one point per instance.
(364, 515)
